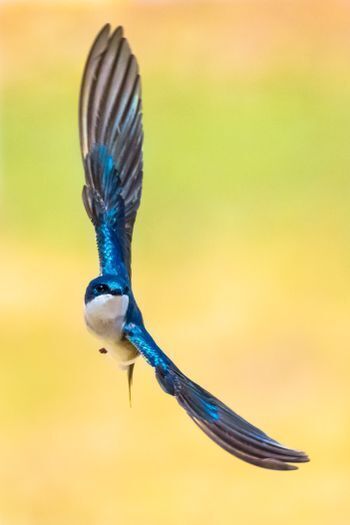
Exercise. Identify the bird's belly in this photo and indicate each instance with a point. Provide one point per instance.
(105, 318)
(123, 352)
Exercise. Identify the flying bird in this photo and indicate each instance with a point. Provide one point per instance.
(111, 135)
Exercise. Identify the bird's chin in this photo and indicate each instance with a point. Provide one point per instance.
(104, 308)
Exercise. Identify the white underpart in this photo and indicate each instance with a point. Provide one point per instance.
(105, 318)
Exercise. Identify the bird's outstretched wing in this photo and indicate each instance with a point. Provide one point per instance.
(219, 422)
(110, 124)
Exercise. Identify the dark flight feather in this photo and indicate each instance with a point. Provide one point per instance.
(111, 136)
(232, 432)
(218, 421)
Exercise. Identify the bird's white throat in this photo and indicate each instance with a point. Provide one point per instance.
(105, 316)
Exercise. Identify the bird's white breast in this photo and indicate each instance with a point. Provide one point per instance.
(105, 316)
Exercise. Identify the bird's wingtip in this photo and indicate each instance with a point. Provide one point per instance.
(106, 29)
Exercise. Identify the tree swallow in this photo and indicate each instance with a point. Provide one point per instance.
(111, 135)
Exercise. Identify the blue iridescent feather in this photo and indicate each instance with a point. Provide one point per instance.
(111, 139)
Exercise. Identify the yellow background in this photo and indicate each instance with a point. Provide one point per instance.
(240, 260)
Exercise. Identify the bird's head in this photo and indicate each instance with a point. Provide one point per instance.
(106, 285)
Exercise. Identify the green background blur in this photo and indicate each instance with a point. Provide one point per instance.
(241, 264)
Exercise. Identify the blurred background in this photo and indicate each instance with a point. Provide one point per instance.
(241, 263)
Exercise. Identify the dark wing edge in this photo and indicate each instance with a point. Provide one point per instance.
(232, 432)
(226, 428)
(111, 137)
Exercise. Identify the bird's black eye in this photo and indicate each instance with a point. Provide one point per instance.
(101, 288)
